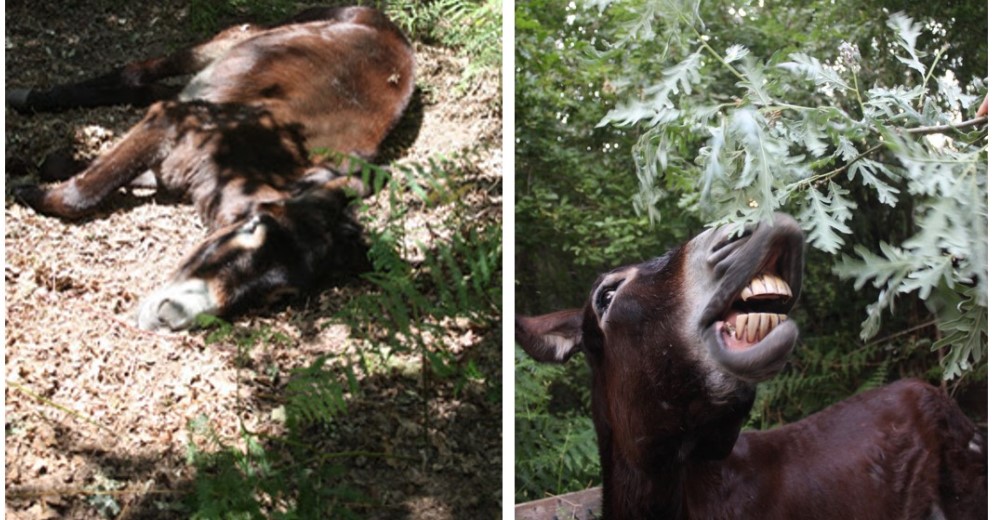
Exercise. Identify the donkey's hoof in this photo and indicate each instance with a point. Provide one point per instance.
(17, 98)
(28, 195)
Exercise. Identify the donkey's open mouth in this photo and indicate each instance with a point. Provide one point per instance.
(753, 315)
(759, 276)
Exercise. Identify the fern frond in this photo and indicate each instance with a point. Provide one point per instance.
(315, 395)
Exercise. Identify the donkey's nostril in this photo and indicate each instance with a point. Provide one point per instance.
(171, 314)
(731, 237)
(176, 306)
(726, 246)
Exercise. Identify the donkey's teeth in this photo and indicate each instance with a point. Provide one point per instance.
(748, 328)
(766, 286)
(773, 321)
(753, 325)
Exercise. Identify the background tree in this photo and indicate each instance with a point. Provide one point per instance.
(844, 115)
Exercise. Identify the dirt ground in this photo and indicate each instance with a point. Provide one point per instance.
(92, 403)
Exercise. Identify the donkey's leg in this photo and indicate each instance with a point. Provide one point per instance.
(82, 95)
(142, 148)
(133, 84)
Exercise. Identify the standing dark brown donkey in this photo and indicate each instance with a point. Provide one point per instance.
(676, 346)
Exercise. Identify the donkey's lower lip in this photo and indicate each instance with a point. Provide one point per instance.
(752, 361)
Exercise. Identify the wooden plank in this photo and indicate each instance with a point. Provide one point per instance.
(580, 505)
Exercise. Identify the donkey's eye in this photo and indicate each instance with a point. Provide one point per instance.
(605, 296)
(251, 225)
(250, 235)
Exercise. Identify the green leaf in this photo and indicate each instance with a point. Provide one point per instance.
(964, 336)
(755, 82)
(811, 68)
(869, 170)
(889, 270)
(657, 103)
(735, 53)
(907, 31)
(824, 220)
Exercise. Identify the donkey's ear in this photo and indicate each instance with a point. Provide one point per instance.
(550, 338)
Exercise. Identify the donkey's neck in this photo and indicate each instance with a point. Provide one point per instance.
(655, 482)
(638, 493)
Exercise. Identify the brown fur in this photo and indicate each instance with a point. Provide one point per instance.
(246, 125)
(904, 451)
(668, 407)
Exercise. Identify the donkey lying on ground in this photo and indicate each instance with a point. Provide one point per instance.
(238, 141)
(676, 346)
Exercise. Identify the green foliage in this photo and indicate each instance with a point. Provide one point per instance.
(419, 289)
(256, 481)
(767, 150)
(315, 395)
(963, 323)
(264, 477)
(555, 452)
(472, 26)
(574, 186)
(572, 176)
(206, 16)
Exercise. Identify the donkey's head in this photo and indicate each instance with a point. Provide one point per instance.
(677, 344)
(280, 249)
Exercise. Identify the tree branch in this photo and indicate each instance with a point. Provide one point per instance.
(924, 130)
(920, 130)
